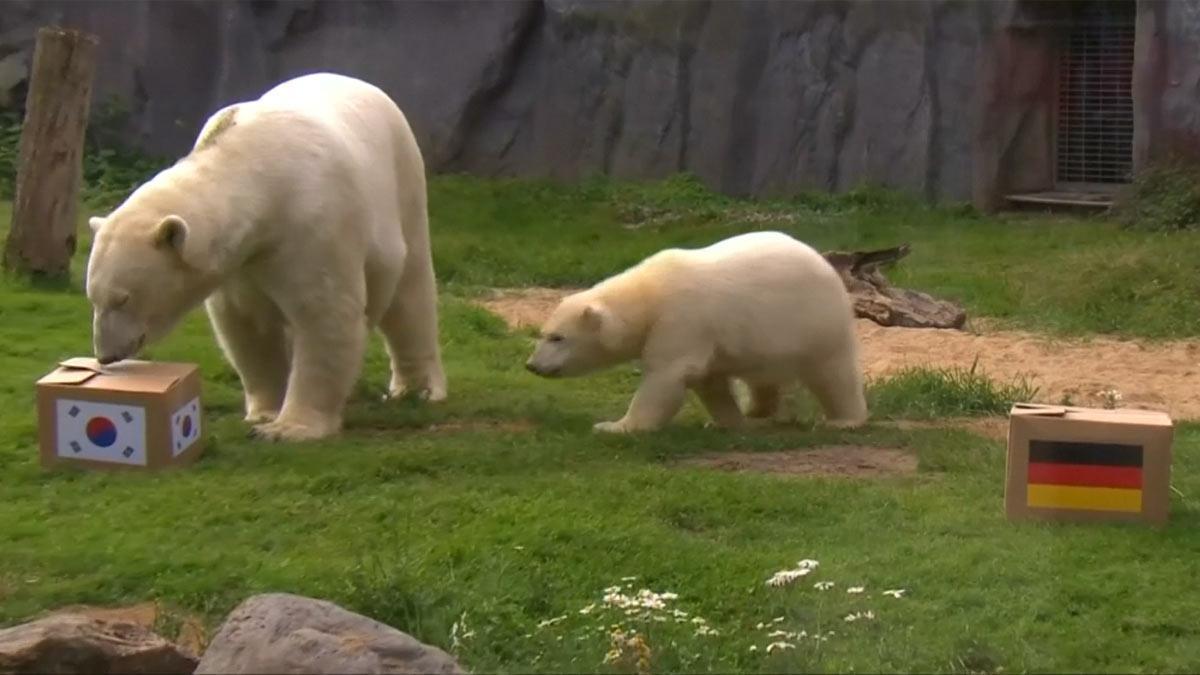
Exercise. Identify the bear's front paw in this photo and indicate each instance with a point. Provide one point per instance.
(260, 416)
(433, 394)
(288, 431)
(611, 427)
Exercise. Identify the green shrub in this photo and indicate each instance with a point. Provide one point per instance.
(928, 393)
(110, 171)
(1161, 198)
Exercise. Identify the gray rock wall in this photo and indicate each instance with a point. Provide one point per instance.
(947, 99)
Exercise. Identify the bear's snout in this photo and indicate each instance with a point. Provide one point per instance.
(536, 369)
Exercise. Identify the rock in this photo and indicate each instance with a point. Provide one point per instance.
(945, 99)
(284, 633)
(73, 643)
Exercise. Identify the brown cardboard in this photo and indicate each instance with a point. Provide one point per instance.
(137, 415)
(1085, 464)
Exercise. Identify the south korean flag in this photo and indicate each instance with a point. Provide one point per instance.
(101, 432)
(185, 426)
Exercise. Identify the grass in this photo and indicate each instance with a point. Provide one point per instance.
(469, 523)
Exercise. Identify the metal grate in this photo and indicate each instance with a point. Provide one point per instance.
(1095, 106)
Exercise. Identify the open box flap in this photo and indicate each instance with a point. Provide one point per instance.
(129, 375)
(1119, 415)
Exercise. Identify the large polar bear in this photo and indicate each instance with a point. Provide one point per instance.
(300, 220)
(760, 307)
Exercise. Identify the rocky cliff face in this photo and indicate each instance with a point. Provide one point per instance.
(756, 97)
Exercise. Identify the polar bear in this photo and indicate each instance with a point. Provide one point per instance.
(760, 307)
(299, 219)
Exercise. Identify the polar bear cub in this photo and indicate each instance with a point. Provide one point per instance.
(761, 307)
(299, 219)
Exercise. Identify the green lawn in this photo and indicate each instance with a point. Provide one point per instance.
(500, 509)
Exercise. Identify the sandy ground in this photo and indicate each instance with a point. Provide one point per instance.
(1156, 376)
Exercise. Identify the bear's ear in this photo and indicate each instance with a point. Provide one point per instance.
(593, 316)
(171, 231)
(95, 222)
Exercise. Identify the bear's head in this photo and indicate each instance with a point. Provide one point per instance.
(582, 336)
(144, 274)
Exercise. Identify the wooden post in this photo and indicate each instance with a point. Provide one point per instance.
(50, 170)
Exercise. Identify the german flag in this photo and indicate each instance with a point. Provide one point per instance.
(1087, 476)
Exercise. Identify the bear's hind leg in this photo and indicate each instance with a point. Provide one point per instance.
(717, 396)
(253, 339)
(410, 328)
(837, 384)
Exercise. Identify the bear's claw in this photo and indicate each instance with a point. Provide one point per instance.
(284, 431)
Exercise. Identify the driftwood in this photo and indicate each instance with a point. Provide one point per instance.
(886, 305)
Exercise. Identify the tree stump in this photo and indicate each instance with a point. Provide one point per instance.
(50, 170)
(886, 305)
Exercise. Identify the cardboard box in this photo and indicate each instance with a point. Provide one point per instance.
(130, 415)
(1087, 464)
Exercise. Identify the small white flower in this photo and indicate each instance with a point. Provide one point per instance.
(851, 617)
(760, 625)
(895, 592)
(778, 619)
(698, 619)
(519, 548)
(785, 577)
(753, 648)
(859, 615)
(775, 646)
(780, 633)
(807, 564)
(628, 578)
(823, 585)
(551, 622)
(589, 609)
(854, 590)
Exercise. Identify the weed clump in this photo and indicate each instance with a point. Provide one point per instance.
(1161, 198)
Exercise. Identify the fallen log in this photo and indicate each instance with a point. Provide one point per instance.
(876, 299)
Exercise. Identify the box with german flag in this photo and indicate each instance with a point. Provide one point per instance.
(1088, 464)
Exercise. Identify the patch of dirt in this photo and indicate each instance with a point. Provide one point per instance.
(849, 461)
(1158, 376)
(524, 307)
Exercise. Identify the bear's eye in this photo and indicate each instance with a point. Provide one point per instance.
(554, 337)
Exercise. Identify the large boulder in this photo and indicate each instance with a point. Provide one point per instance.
(284, 633)
(74, 643)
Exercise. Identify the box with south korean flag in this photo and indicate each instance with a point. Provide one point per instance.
(131, 414)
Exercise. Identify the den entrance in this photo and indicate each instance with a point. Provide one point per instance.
(1093, 122)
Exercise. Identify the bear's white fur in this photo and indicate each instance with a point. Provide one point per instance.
(300, 220)
(762, 307)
